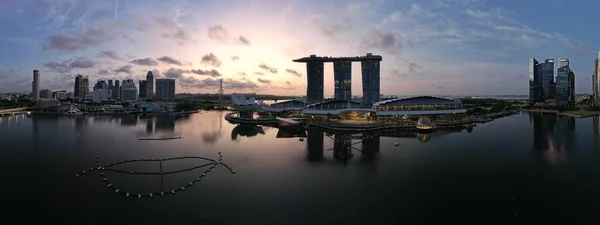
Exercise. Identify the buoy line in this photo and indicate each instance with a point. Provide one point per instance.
(101, 168)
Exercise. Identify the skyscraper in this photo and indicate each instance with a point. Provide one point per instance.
(370, 81)
(315, 82)
(548, 85)
(149, 89)
(143, 89)
(82, 88)
(100, 91)
(45, 93)
(342, 75)
(535, 82)
(563, 83)
(596, 80)
(165, 89)
(35, 86)
(129, 91)
(116, 92)
(572, 86)
(110, 89)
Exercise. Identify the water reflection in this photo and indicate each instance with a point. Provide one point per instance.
(553, 135)
(129, 120)
(211, 136)
(596, 127)
(164, 124)
(246, 130)
(314, 145)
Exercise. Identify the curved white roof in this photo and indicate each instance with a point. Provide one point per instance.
(385, 102)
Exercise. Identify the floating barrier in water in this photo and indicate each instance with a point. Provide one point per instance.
(158, 139)
(212, 164)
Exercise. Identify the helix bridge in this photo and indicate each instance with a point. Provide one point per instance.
(102, 169)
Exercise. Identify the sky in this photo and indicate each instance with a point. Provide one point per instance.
(429, 47)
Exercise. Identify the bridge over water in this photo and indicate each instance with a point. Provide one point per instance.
(12, 111)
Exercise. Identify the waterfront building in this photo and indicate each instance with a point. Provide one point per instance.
(110, 88)
(35, 85)
(143, 89)
(81, 89)
(100, 92)
(342, 75)
(535, 82)
(149, 86)
(45, 93)
(596, 81)
(564, 83)
(315, 77)
(60, 94)
(547, 75)
(116, 92)
(245, 105)
(165, 89)
(129, 92)
(370, 80)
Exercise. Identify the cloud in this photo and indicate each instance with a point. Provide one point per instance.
(229, 84)
(169, 60)
(175, 73)
(267, 68)
(288, 83)
(6, 73)
(211, 59)
(412, 67)
(104, 72)
(293, 72)
(264, 81)
(235, 58)
(128, 69)
(387, 41)
(68, 43)
(144, 62)
(242, 73)
(236, 84)
(68, 65)
(258, 73)
(219, 33)
(212, 73)
(397, 73)
(175, 32)
(109, 54)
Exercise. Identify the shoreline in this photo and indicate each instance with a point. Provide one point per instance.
(566, 113)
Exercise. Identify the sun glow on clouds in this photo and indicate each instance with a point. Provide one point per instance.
(428, 47)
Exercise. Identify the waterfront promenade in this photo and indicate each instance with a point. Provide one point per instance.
(574, 114)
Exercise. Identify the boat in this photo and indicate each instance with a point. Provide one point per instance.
(73, 112)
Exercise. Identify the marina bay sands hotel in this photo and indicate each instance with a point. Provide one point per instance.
(342, 73)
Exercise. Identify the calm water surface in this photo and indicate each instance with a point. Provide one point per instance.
(523, 169)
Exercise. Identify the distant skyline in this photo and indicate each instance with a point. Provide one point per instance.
(429, 47)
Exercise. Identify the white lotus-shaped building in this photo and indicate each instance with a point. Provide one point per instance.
(242, 103)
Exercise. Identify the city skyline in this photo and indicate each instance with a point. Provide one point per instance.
(430, 47)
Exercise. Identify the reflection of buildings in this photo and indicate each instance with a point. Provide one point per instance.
(213, 135)
(129, 120)
(150, 126)
(165, 124)
(596, 128)
(314, 144)
(289, 133)
(553, 136)
(246, 130)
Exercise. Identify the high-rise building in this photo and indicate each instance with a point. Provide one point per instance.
(564, 83)
(535, 82)
(547, 74)
(342, 75)
(116, 92)
(315, 82)
(165, 89)
(596, 81)
(572, 86)
(45, 93)
(370, 80)
(82, 87)
(129, 92)
(59, 94)
(110, 88)
(100, 92)
(143, 89)
(149, 89)
(35, 85)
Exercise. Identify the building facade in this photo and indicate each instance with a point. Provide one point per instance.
(82, 87)
(165, 89)
(35, 85)
(370, 81)
(315, 81)
(45, 93)
(596, 81)
(547, 74)
(129, 92)
(116, 92)
(535, 82)
(143, 89)
(60, 94)
(100, 92)
(342, 76)
(563, 83)
(110, 88)
(149, 89)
